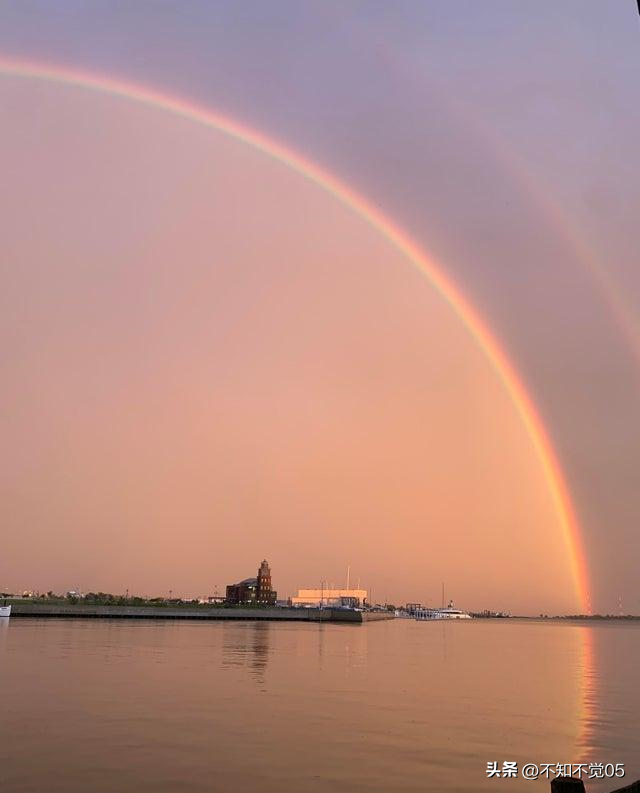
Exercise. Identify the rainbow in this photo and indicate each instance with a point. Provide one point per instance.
(532, 185)
(388, 229)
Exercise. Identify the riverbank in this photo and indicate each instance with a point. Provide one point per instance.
(63, 611)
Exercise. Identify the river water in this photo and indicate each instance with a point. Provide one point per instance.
(90, 706)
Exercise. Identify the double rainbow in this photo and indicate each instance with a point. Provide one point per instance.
(393, 233)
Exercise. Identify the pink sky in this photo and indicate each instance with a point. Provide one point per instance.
(207, 360)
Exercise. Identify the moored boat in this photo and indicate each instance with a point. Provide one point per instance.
(445, 613)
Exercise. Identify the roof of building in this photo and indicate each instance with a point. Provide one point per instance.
(316, 593)
(247, 581)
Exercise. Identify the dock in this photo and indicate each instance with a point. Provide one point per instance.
(72, 611)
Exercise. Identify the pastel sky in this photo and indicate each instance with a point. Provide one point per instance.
(207, 359)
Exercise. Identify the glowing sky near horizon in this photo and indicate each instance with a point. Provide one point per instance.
(221, 382)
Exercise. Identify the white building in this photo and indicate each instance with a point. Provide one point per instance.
(329, 597)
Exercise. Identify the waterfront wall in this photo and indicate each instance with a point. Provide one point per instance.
(375, 616)
(186, 613)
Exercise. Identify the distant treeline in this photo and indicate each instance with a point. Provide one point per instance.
(600, 617)
(109, 599)
(105, 599)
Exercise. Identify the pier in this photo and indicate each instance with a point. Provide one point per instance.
(72, 611)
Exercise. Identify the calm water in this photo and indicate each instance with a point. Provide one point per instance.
(118, 706)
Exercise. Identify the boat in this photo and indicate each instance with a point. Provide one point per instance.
(444, 613)
(5, 610)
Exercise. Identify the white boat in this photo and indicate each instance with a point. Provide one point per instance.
(448, 613)
(5, 611)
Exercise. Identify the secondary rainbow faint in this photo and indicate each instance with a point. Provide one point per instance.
(390, 230)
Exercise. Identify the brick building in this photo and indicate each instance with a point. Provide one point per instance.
(253, 591)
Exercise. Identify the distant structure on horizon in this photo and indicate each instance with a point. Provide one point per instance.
(330, 597)
(253, 591)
